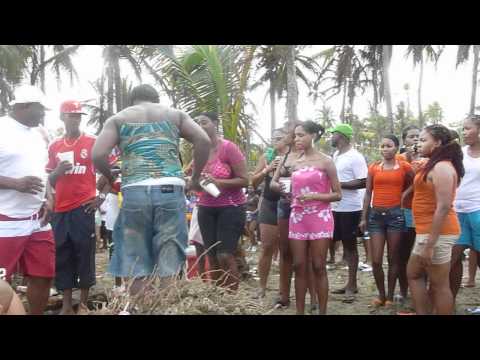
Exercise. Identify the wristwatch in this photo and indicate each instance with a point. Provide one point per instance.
(102, 196)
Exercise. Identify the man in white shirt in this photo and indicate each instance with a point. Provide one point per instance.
(352, 172)
(26, 238)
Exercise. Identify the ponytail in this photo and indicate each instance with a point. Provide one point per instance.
(449, 150)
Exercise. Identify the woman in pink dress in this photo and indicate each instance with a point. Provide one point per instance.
(314, 186)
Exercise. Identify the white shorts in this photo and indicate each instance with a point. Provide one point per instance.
(442, 251)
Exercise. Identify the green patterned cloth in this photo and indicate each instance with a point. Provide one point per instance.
(149, 150)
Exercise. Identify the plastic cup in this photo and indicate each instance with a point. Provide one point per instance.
(287, 184)
(66, 156)
(210, 188)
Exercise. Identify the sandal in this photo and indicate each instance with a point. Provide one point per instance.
(280, 305)
(388, 303)
(342, 291)
(377, 302)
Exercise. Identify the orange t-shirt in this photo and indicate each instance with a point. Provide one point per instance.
(388, 184)
(424, 205)
(401, 157)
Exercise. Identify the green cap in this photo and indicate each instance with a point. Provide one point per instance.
(343, 129)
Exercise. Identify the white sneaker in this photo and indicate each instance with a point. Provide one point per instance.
(367, 268)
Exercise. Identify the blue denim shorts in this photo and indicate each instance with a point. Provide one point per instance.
(386, 220)
(470, 225)
(283, 209)
(150, 234)
(409, 222)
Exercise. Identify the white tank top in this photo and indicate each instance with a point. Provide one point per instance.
(468, 193)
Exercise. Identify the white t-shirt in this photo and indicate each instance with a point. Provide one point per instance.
(468, 193)
(112, 211)
(22, 153)
(350, 166)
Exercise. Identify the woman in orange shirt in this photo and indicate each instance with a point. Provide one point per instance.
(387, 179)
(436, 222)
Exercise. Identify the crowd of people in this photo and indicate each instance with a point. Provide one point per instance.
(420, 199)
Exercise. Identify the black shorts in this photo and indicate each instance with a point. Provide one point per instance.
(346, 228)
(75, 242)
(223, 224)
(268, 212)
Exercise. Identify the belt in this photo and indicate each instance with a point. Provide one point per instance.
(7, 218)
(383, 211)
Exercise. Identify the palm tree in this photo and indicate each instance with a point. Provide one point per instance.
(345, 67)
(213, 78)
(112, 55)
(421, 53)
(272, 67)
(462, 56)
(59, 59)
(387, 57)
(13, 62)
(292, 88)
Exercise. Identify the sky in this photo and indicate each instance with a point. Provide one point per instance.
(446, 84)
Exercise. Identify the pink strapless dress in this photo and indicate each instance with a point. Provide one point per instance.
(311, 220)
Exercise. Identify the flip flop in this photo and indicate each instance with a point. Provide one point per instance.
(388, 303)
(342, 291)
(468, 285)
(406, 313)
(349, 299)
(279, 305)
(377, 302)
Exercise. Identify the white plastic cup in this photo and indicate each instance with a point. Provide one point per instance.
(66, 156)
(210, 188)
(287, 184)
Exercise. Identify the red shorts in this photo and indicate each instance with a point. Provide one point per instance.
(26, 247)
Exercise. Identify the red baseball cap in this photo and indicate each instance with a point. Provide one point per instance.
(71, 107)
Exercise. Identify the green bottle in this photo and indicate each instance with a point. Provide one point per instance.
(270, 154)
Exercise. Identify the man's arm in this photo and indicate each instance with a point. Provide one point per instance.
(106, 141)
(27, 184)
(354, 184)
(193, 133)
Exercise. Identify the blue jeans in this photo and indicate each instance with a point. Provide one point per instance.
(150, 234)
(385, 220)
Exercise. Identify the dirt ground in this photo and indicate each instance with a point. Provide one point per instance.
(337, 275)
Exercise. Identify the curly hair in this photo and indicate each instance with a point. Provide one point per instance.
(449, 150)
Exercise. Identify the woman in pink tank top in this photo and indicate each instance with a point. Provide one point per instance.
(314, 186)
(222, 218)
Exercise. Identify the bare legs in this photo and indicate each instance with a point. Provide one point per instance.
(269, 239)
(439, 295)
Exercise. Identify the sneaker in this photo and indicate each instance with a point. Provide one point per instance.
(367, 268)
(474, 311)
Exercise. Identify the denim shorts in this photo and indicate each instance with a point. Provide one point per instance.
(386, 220)
(470, 225)
(409, 222)
(283, 209)
(150, 234)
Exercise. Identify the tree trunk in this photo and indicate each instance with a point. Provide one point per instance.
(375, 91)
(387, 55)
(476, 51)
(420, 83)
(42, 69)
(292, 89)
(118, 82)
(351, 101)
(110, 90)
(342, 113)
(272, 109)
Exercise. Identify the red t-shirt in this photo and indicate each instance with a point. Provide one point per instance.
(78, 185)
